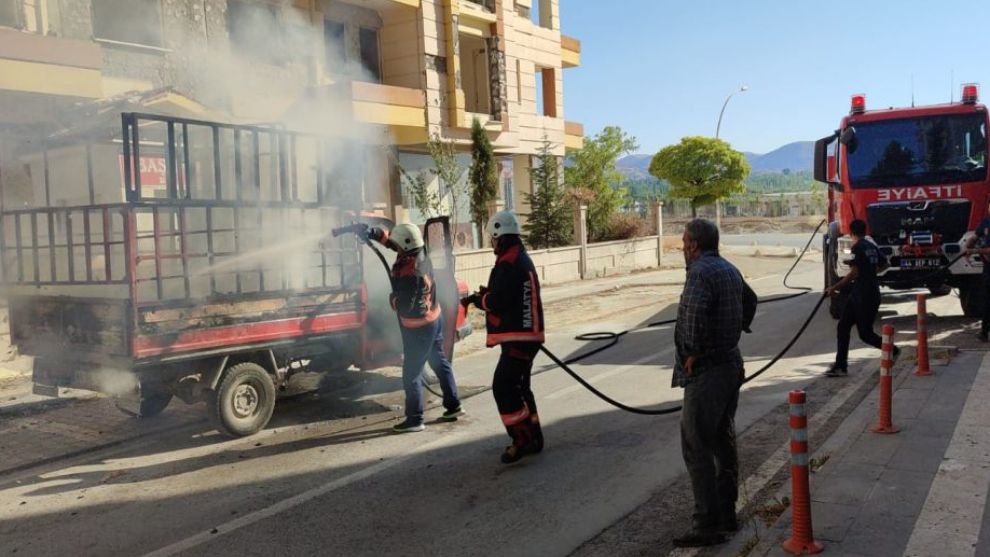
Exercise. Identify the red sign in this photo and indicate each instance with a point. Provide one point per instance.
(154, 176)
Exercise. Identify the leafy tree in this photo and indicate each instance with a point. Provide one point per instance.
(449, 172)
(593, 167)
(483, 175)
(549, 222)
(425, 200)
(701, 169)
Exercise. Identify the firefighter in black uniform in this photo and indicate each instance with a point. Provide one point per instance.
(514, 321)
(414, 298)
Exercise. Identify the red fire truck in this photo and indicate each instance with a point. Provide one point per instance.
(168, 257)
(918, 177)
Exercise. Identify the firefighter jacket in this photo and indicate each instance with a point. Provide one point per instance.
(514, 311)
(414, 292)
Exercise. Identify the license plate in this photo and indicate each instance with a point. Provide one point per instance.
(920, 263)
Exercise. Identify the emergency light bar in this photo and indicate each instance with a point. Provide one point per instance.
(858, 105)
(970, 93)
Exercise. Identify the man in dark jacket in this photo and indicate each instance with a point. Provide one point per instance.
(414, 298)
(514, 321)
(715, 307)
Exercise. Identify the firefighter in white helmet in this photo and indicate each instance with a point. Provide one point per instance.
(514, 321)
(414, 298)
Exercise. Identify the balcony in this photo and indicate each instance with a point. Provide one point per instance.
(400, 111)
(50, 66)
(573, 135)
(570, 51)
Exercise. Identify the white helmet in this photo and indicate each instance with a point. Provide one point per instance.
(504, 222)
(406, 237)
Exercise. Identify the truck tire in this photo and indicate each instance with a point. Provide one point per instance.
(971, 298)
(147, 407)
(243, 401)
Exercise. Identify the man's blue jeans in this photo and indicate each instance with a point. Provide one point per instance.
(419, 346)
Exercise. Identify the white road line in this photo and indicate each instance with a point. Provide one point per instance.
(602, 376)
(950, 521)
(296, 500)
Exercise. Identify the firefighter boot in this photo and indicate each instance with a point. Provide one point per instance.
(523, 443)
(534, 422)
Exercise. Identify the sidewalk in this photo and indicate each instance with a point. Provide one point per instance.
(920, 492)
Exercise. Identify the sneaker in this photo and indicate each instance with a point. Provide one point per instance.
(836, 371)
(894, 354)
(408, 427)
(698, 538)
(452, 415)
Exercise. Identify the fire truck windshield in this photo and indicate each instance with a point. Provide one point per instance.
(918, 151)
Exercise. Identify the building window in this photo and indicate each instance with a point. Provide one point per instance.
(474, 74)
(546, 92)
(254, 30)
(370, 57)
(9, 13)
(335, 45)
(128, 21)
(540, 13)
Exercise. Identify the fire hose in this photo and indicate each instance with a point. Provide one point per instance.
(614, 338)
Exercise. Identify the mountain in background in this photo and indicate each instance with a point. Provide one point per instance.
(795, 157)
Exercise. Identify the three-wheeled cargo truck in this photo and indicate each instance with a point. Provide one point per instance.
(169, 257)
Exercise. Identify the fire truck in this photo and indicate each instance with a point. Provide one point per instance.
(918, 177)
(170, 257)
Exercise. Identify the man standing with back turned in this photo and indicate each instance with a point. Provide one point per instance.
(715, 307)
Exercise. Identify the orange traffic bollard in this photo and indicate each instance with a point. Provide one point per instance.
(801, 542)
(886, 424)
(923, 366)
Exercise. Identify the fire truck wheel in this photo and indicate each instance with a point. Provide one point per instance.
(145, 408)
(244, 400)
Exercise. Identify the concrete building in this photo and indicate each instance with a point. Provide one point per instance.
(392, 73)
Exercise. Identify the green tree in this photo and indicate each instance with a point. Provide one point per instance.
(449, 172)
(425, 200)
(548, 223)
(701, 169)
(483, 175)
(593, 167)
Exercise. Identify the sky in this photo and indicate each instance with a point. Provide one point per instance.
(661, 69)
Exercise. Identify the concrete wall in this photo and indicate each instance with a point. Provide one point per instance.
(559, 265)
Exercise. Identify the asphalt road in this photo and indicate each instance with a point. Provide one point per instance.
(770, 239)
(346, 486)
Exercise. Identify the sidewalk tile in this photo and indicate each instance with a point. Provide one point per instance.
(899, 493)
(852, 487)
(878, 534)
(920, 453)
(873, 448)
(936, 542)
(831, 521)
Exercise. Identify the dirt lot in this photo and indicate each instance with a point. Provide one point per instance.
(756, 225)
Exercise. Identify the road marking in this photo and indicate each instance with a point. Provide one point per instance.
(296, 500)
(950, 521)
(607, 374)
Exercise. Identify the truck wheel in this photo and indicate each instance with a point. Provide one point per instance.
(147, 407)
(971, 298)
(244, 400)
(939, 290)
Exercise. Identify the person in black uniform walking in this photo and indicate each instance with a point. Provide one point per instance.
(863, 302)
(514, 321)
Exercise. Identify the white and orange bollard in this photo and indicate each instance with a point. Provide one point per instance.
(802, 541)
(923, 363)
(886, 424)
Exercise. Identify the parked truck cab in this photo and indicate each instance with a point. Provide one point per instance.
(918, 177)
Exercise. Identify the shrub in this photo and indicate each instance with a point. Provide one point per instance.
(623, 226)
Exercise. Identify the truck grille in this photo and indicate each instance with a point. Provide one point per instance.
(893, 223)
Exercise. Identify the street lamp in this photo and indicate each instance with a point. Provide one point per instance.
(718, 128)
